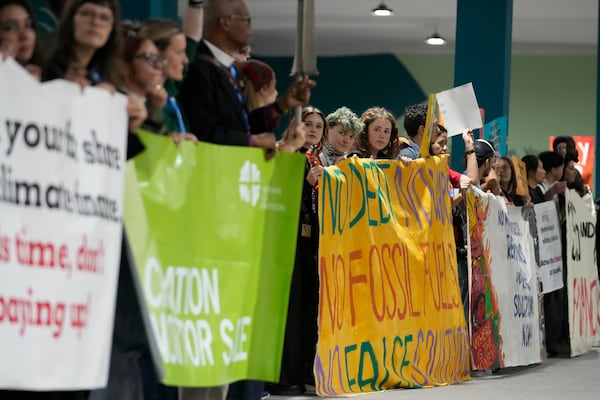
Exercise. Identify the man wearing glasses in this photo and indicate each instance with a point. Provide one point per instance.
(210, 95)
(212, 101)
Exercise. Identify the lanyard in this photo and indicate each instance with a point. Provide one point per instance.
(174, 108)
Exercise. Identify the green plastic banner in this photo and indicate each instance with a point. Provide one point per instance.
(213, 233)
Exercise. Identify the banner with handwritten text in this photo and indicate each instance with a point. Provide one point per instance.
(485, 314)
(551, 262)
(62, 155)
(582, 274)
(514, 283)
(213, 234)
(390, 312)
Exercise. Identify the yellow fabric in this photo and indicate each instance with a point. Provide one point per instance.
(390, 312)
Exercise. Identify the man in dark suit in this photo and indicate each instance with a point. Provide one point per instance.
(210, 95)
(212, 102)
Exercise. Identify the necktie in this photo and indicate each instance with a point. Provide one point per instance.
(240, 97)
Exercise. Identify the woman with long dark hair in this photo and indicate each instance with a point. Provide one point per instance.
(87, 44)
(17, 34)
(505, 170)
(301, 325)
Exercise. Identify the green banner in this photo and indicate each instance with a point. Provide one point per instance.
(213, 233)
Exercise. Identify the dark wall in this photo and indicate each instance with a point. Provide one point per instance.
(357, 82)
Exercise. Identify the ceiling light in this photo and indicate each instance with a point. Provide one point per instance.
(435, 40)
(382, 10)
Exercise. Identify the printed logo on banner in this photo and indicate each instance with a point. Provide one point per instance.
(252, 190)
(250, 183)
(203, 322)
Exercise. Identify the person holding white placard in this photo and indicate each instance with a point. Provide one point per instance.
(18, 38)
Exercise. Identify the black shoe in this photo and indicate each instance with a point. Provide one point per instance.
(282, 390)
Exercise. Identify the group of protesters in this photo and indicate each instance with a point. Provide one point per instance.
(196, 82)
(191, 82)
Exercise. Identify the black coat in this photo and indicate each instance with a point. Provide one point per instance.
(211, 104)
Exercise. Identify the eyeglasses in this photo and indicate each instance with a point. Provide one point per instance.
(154, 60)
(105, 18)
(244, 18)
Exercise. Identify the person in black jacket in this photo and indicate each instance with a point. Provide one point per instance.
(212, 100)
(211, 96)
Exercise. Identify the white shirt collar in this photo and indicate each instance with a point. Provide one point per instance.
(220, 55)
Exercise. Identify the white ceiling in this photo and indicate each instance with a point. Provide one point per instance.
(346, 27)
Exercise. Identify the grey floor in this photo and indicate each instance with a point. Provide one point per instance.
(556, 378)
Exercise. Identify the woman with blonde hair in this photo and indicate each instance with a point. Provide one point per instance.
(178, 46)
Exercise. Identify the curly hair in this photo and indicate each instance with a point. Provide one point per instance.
(392, 149)
(346, 118)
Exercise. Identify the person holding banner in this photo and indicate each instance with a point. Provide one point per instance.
(439, 146)
(87, 44)
(579, 185)
(17, 34)
(556, 303)
(485, 154)
(211, 98)
(259, 90)
(301, 324)
(142, 67)
(553, 164)
(210, 95)
(87, 53)
(379, 137)
(343, 127)
(505, 170)
(535, 175)
(178, 46)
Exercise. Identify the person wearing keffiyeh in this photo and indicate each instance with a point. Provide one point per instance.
(344, 127)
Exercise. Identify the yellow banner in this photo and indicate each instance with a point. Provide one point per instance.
(390, 312)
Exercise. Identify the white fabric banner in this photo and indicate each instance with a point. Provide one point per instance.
(62, 154)
(511, 260)
(582, 273)
(551, 262)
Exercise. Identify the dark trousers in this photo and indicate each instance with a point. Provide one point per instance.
(246, 390)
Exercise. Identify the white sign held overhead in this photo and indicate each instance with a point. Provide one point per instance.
(459, 109)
